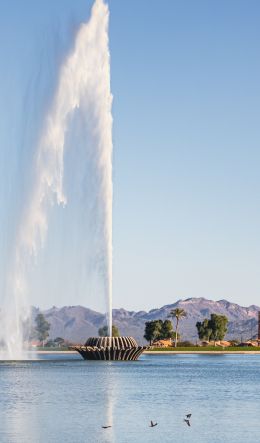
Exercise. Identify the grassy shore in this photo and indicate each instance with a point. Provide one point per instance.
(206, 349)
(179, 349)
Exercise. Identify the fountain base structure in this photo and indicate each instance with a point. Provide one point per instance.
(110, 348)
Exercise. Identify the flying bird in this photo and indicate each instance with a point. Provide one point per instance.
(106, 427)
(153, 424)
(187, 422)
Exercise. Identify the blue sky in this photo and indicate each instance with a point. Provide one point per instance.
(185, 79)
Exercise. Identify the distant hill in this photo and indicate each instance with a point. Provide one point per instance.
(76, 323)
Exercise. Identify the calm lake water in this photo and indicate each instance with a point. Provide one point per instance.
(66, 399)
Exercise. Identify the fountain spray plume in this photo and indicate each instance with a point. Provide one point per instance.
(84, 83)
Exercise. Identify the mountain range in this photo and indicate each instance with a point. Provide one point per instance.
(77, 323)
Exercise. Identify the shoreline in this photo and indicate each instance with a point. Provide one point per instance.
(162, 352)
(53, 352)
(201, 352)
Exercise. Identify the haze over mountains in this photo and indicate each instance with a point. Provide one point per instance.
(77, 323)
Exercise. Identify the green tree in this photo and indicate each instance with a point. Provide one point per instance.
(152, 330)
(166, 330)
(214, 328)
(204, 331)
(42, 328)
(177, 313)
(218, 325)
(103, 331)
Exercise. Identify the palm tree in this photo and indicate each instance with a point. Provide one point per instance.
(177, 313)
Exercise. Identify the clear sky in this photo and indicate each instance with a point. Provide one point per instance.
(185, 79)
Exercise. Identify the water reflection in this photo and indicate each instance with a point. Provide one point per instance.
(110, 400)
(69, 400)
(19, 416)
(40, 397)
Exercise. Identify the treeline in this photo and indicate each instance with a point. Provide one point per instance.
(163, 330)
(213, 329)
(210, 329)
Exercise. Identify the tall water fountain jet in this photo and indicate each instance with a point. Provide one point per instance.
(83, 84)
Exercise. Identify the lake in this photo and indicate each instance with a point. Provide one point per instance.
(63, 398)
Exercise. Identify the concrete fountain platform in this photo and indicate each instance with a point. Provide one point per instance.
(110, 348)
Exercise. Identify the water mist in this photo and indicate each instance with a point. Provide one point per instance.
(83, 84)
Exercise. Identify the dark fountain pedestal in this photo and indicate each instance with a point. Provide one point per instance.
(110, 348)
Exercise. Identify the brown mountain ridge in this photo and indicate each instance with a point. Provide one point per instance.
(77, 323)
